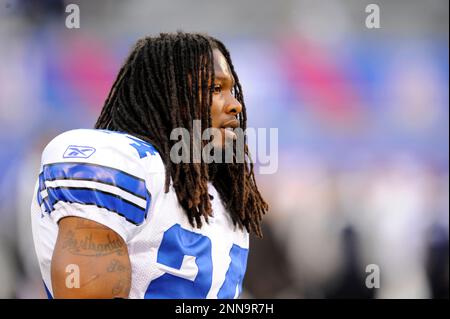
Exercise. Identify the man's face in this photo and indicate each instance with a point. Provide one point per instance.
(225, 107)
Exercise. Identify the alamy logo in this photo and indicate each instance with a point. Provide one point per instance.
(373, 277)
(74, 151)
(73, 277)
(73, 19)
(373, 19)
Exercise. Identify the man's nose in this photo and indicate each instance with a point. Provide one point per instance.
(233, 106)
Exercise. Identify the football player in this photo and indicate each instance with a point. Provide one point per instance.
(114, 217)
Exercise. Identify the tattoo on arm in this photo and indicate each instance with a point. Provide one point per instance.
(88, 246)
(119, 286)
(117, 266)
(101, 255)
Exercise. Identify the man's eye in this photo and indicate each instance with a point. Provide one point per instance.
(217, 88)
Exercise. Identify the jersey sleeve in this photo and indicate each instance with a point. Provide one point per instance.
(95, 175)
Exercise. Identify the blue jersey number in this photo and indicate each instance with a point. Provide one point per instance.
(177, 243)
(235, 273)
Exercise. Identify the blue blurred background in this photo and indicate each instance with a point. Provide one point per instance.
(362, 118)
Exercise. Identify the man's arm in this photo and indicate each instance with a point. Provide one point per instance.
(89, 261)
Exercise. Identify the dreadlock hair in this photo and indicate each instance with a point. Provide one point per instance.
(156, 91)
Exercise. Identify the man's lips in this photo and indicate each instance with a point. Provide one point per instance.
(233, 123)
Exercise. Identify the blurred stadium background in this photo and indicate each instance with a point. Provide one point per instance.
(362, 116)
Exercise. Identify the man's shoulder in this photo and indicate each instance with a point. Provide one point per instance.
(101, 138)
(101, 147)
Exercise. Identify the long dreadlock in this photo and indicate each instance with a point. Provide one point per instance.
(155, 92)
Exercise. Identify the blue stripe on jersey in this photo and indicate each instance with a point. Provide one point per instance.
(96, 173)
(39, 197)
(41, 182)
(86, 196)
(48, 207)
(41, 188)
(40, 200)
(49, 295)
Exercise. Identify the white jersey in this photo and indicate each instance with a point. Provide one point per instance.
(117, 180)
